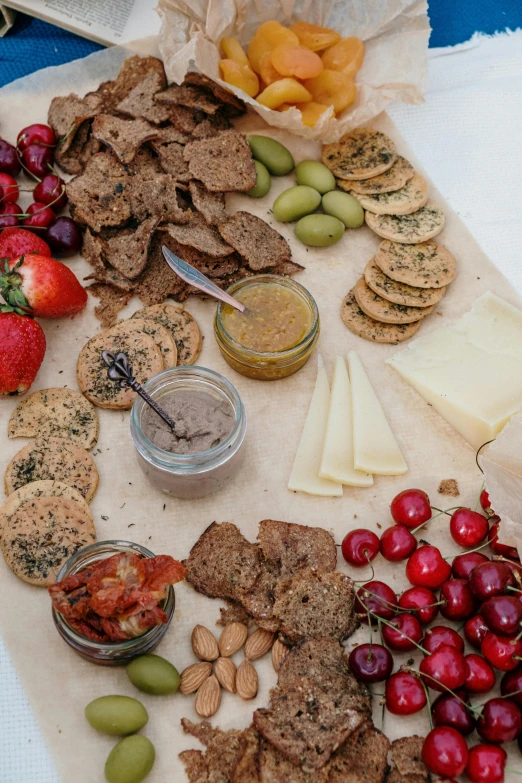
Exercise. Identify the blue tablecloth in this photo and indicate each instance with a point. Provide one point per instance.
(32, 44)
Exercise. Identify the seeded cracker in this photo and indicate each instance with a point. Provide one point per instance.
(362, 325)
(100, 195)
(420, 226)
(140, 102)
(127, 252)
(223, 163)
(62, 413)
(181, 325)
(112, 300)
(68, 112)
(211, 205)
(123, 137)
(400, 293)
(360, 154)
(404, 201)
(380, 309)
(393, 179)
(426, 264)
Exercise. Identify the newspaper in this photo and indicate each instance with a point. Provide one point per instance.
(7, 18)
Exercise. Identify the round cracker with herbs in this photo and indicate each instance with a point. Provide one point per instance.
(181, 325)
(47, 488)
(53, 459)
(361, 154)
(42, 534)
(425, 223)
(161, 336)
(144, 357)
(59, 413)
(395, 178)
(380, 309)
(375, 331)
(408, 199)
(424, 265)
(400, 293)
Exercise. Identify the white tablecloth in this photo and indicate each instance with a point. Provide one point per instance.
(467, 136)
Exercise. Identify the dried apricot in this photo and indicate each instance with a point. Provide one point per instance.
(332, 88)
(241, 76)
(267, 37)
(296, 61)
(267, 72)
(346, 55)
(284, 91)
(233, 50)
(315, 37)
(310, 112)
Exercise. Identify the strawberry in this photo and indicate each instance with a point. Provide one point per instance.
(41, 286)
(22, 349)
(14, 242)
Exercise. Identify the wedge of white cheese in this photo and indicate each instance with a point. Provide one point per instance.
(337, 456)
(471, 370)
(305, 472)
(374, 445)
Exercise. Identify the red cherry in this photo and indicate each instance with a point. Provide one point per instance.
(64, 237)
(460, 603)
(500, 549)
(475, 630)
(485, 502)
(37, 160)
(9, 163)
(422, 599)
(468, 528)
(445, 668)
(440, 634)
(40, 216)
(407, 628)
(511, 685)
(501, 721)
(445, 752)
(371, 663)
(375, 597)
(502, 614)
(488, 579)
(464, 564)
(448, 710)
(502, 652)
(397, 543)
(360, 547)
(9, 214)
(10, 189)
(36, 134)
(481, 677)
(51, 190)
(404, 694)
(427, 567)
(486, 764)
(411, 508)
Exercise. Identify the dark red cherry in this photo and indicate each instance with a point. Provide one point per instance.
(397, 543)
(459, 601)
(40, 216)
(422, 601)
(9, 187)
(51, 191)
(9, 163)
(495, 546)
(9, 214)
(411, 508)
(481, 677)
(502, 614)
(64, 237)
(440, 634)
(475, 630)
(405, 634)
(463, 565)
(511, 685)
(404, 694)
(37, 160)
(449, 710)
(468, 528)
(360, 547)
(488, 579)
(445, 752)
(486, 764)
(377, 598)
(502, 652)
(501, 721)
(426, 567)
(371, 663)
(444, 669)
(36, 134)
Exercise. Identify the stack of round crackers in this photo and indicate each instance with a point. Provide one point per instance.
(408, 275)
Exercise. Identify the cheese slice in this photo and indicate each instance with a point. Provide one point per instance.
(374, 445)
(471, 370)
(337, 457)
(305, 473)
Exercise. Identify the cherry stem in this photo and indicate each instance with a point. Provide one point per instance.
(391, 625)
(478, 454)
(513, 771)
(440, 511)
(400, 609)
(483, 486)
(469, 551)
(428, 702)
(505, 696)
(467, 706)
(514, 589)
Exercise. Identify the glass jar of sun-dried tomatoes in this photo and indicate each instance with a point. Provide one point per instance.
(113, 653)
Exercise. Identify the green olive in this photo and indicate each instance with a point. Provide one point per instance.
(272, 154)
(315, 174)
(117, 715)
(131, 760)
(344, 207)
(263, 181)
(319, 230)
(153, 674)
(295, 202)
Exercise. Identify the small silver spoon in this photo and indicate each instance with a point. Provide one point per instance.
(191, 275)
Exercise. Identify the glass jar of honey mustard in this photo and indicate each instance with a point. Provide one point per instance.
(275, 335)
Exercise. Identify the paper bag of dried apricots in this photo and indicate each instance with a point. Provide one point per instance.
(315, 67)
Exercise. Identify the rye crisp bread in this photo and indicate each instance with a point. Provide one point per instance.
(42, 535)
(419, 226)
(145, 165)
(286, 268)
(314, 603)
(425, 265)
(100, 194)
(233, 612)
(362, 758)
(255, 240)
(306, 724)
(362, 325)
(181, 325)
(128, 251)
(197, 233)
(233, 105)
(93, 250)
(195, 765)
(46, 488)
(79, 152)
(411, 197)
(406, 757)
(295, 546)
(112, 300)
(260, 598)
(223, 163)
(68, 112)
(157, 197)
(53, 458)
(185, 120)
(171, 160)
(111, 279)
(158, 281)
(208, 265)
(191, 97)
(169, 134)
(323, 660)
(123, 137)
(61, 413)
(393, 179)
(222, 563)
(211, 205)
(400, 293)
(246, 767)
(275, 767)
(133, 71)
(211, 126)
(140, 101)
(360, 154)
(223, 748)
(374, 306)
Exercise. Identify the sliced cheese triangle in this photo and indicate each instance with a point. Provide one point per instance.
(305, 473)
(337, 457)
(374, 444)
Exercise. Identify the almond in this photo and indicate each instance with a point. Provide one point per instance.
(258, 644)
(233, 637)
(208, 698)
(225, 671)
(247, 682)
(279, 651)
(194, 676)
(204, 644)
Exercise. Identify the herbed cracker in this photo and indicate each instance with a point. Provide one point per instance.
(123, 137)
(424, 265)
(211, 205)
(360, 154)
(425, 223)
(400, 293)
(128, 250)
(61, 413)
(410, 198)
(181, 325)
(100, 194)
(393, 179)
(46, 488)
(223, 163)
(160, 334)
(197, 233)
(362, 325)
(255, 240)
(387, 312)
(112, 300)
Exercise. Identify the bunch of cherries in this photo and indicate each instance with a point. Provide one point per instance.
(34, 153)
(484, 595)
